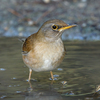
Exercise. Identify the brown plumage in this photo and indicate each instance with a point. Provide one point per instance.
(44, 50)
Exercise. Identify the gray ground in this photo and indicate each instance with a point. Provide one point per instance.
(24, 17)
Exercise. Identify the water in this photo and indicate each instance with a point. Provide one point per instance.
(76, 78)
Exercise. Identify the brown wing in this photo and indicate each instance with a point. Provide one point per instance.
(28, 44)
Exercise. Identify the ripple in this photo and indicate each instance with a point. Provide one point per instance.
(2, 69)
(59, 69)
(18, 91)
(4, 96)
(53, 79)
(55, 75)
(14, 78)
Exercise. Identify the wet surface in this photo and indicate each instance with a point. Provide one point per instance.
(76, 78)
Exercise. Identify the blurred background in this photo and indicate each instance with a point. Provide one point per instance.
(78, 76)
(24, 17)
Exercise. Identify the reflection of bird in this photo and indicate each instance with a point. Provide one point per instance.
(44, 50)
(43, 95)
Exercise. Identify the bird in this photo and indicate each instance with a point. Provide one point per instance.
(44, 50)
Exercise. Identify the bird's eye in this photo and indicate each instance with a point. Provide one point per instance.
(54, 27)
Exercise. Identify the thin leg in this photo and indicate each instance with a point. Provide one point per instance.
(30, 72)
(51, 75)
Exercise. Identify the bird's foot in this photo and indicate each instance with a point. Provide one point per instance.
(53, 79)
(31, 80)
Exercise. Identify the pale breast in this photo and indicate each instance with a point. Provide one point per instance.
(50, 54)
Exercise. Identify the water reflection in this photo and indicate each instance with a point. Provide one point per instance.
(33, 93)
(44, 94)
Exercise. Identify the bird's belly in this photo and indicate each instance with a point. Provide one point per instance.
(47, 66)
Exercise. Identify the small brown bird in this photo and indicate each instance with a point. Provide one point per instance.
(44, 50)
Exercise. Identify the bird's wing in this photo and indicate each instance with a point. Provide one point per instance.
(28, 44)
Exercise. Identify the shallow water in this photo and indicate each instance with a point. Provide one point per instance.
(80, 71)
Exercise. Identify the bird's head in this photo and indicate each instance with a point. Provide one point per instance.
(53, 29)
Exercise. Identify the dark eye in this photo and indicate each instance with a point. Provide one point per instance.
(54, 27)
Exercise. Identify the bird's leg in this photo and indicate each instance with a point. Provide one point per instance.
(30, 72)
(51, 75)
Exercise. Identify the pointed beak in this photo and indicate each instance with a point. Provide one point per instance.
(67, 27)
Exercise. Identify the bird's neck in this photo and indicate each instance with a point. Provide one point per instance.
(42, 38)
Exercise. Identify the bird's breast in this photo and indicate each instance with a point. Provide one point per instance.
(51, 54)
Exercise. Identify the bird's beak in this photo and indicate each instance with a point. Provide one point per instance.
(67, 27)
